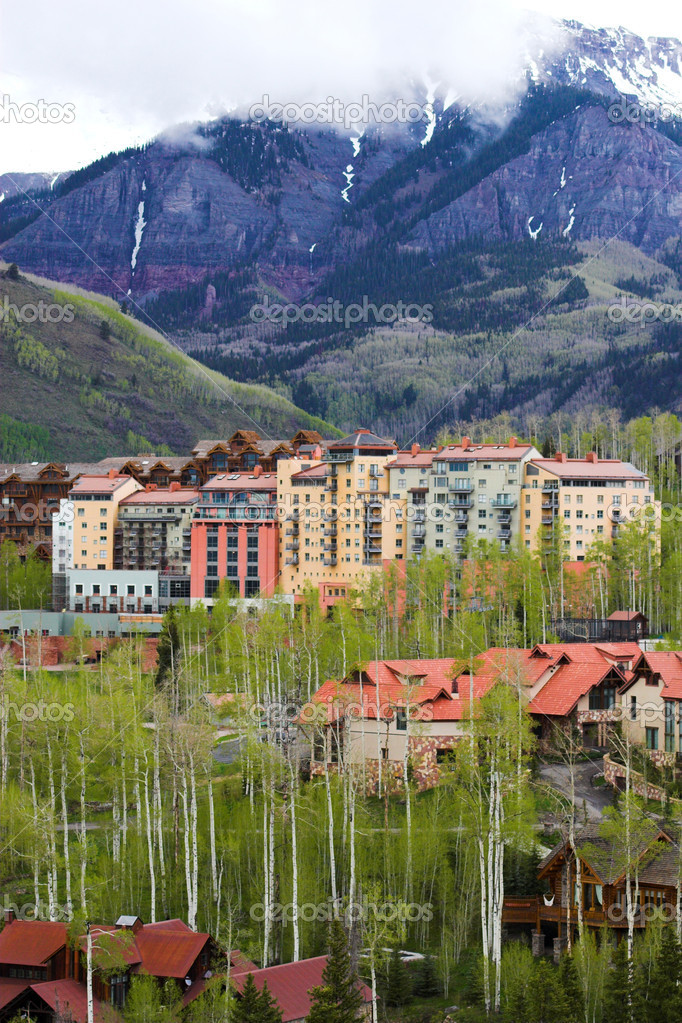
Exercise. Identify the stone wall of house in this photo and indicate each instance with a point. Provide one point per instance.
(424, 769)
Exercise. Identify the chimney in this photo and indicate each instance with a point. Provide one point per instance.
(112, 474)
(591, 456)
(174, 487)
(10, 916)
(466, 442)
(150, 486)
(512, 442)
(560, 457)
(258, 470)
(415, 450)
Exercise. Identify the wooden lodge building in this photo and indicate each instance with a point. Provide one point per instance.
(551, 914)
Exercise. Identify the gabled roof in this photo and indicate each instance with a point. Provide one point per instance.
(164, 949)
(69, 996)
(625, 616)
(11, 988)
(568, 684)
(667, 664)
(598, 854)
(290, 985)
(31, 942)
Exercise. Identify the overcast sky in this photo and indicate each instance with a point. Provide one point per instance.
(132, 69)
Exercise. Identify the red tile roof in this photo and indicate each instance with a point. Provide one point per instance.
(31, 942)
(290, 985)
(667, 664)
(164, 949)
(69, 995)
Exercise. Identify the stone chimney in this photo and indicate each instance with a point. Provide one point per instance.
(415, 450)
(591, 456)
(466, 442)
(150, 486)
(174, 487)
(560, 457)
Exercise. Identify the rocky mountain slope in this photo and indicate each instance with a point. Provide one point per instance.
(195, 230)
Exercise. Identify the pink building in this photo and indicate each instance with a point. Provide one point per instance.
(235, 535)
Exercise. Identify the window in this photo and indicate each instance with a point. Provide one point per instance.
(669, 726)
(113, 590)
(401, 720)
(651, 738)
(131, 590)
(633, 708)
(147, 591)
(95, 589)
(79, 587)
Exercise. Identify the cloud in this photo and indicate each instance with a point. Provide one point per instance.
(137, 68)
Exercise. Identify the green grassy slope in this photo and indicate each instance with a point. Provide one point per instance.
(105, 383)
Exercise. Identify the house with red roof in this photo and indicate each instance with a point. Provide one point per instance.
(384, 712)
(652, 704)
(44, 974)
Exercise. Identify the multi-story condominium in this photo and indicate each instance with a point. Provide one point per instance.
(474, 491)
(95, 501)
(341, 522)
(575, 501)
(234, 535)
(409, 476)
(155, 533)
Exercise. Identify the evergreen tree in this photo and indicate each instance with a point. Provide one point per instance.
(399, 984)
(168, 651)
(254, 1006)
(426, 982)
(617, 988)
(658, 995)
(338, 1000)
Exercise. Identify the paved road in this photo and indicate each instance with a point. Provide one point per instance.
(227, 752)
(596, 799)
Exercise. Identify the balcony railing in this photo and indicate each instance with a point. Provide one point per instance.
(504, 501)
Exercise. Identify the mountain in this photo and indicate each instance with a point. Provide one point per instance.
(90, 381)
(474, 213)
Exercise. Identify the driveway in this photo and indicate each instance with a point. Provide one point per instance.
(596, 799)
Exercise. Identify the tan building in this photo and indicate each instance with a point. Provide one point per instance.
(587, 498)
(409, 475)
(338, 521)
(95, 501)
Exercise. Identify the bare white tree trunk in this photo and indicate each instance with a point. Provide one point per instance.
(90, 997)
(65, 826)
(150, 847)
(294, 864)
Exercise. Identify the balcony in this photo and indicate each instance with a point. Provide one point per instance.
(549, 486)
(293, 560)
(329, 560)
(548, 520)
(461, 487)
(460, 502)
(293, 546)
(418, 531)
(504, 534)
(333, 485)
(374, 501)
(330, 528)
(504, 501)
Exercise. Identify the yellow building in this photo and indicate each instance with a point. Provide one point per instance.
(94, 506)
(338, 521)
(588, 498)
